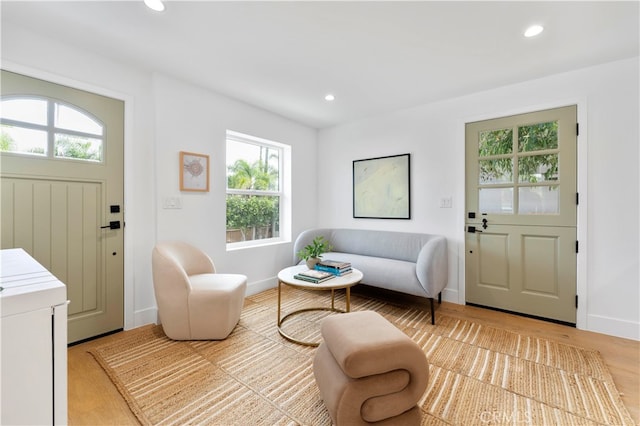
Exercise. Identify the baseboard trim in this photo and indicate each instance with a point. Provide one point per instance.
(614, 327)
(144, 317)
(451, 296)
(260, 286)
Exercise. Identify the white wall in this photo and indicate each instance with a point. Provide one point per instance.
(191, 119)
(608, 111)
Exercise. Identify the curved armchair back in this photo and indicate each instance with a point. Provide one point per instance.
(171, 285)
(187, 257)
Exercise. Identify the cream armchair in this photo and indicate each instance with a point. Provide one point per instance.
(194, 302)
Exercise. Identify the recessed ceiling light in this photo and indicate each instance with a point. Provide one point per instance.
(533, 30)
(156, 5)
(329, 97)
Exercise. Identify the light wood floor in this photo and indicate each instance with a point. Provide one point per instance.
(94, 400)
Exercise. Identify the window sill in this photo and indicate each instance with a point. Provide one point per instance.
(256, 243)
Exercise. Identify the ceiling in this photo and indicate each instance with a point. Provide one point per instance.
(375, 57)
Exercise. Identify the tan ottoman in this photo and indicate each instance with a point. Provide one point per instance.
(369, 371)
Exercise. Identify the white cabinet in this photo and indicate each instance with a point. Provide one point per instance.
(33, 342)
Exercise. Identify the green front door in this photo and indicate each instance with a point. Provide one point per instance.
(62, 183)
(521, 209)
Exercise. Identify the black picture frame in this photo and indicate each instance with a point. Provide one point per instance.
(382, 187)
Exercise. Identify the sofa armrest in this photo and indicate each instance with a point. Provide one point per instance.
(432, 266)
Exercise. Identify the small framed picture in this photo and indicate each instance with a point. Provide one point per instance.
(194, 172)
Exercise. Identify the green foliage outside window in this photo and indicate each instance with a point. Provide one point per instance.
(80, 148)
(259, 176)
(249, 213)
(66, 147)
(255, 216)
(532, 168)
(6, 142)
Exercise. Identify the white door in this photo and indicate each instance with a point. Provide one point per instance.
(521, 214)
(61, 158)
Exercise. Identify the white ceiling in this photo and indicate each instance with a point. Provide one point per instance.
(375, 57)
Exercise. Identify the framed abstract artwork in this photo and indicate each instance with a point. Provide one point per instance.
(381, 187)
(194, 172)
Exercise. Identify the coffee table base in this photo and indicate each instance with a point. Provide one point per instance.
(331, 309)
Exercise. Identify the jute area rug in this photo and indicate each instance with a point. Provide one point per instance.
(479, 375)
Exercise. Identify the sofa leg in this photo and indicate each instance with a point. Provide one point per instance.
(433, 314)
(440, 298)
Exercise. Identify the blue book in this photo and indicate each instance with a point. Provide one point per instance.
(334, 271)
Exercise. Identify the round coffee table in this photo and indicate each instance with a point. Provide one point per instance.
(344, 282)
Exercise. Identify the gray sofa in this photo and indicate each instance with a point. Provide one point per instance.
(410, 263)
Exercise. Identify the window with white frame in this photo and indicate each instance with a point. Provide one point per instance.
(48, 128)
(255, 190)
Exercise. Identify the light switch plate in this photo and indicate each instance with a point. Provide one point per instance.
(446, 203)
(172, 203)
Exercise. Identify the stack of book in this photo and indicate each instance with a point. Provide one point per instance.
(314, 276)
(334, 267)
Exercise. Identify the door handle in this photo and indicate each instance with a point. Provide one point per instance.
(114, 224)
(472, 229)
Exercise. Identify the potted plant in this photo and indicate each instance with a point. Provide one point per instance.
(312, 253)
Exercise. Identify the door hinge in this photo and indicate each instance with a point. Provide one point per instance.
(577, 247)
(577, 198)
(577, 129)
(576, 301)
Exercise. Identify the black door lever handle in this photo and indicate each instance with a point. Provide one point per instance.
(114, 224)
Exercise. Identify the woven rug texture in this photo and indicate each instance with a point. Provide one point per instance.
(479, 375)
